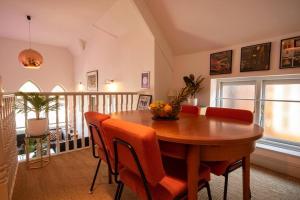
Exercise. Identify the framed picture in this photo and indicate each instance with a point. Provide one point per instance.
(290, 53)
(255, 57)
(145, 80)
(221, 62)
(144, 101)
(92, 80)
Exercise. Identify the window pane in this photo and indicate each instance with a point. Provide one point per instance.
(281, 120)
(282, 92)
(239, 91)
(238, 104)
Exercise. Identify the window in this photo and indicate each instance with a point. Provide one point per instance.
(240, 95)
(275, 102)
(58, 88)
(61, 111)
(29, 86)
(281, 110)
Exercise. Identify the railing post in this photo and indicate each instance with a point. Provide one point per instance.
(82, 121)
(57, 132)
(74, 122)
(104, 104)
(66, 124)
(121, 102)
(117, 103)
(97, 103)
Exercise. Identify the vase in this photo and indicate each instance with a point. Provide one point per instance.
(37, 127)
(192, 101)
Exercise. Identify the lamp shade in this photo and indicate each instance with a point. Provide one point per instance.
(30, 58)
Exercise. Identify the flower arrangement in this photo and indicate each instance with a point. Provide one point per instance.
(169, 111)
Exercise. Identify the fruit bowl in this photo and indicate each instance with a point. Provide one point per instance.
(164, 111)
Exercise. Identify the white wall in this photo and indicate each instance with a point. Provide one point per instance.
(122, 59)
(198, 63)
(56, 69)
(121, 48)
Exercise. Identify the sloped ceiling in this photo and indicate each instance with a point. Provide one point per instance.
(55, 22)
(198, 25)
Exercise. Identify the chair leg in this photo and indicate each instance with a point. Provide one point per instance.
(95, 176)
(208, 191)
(119, 191)
(109, 177)
(225, 186)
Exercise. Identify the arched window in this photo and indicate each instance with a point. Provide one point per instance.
(29, 86)
(61, 111)
(58, 88)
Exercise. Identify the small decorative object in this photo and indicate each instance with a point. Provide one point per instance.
(144, 102)
(33, 102)
(92, 80)
(290, 53)
(145, 80)
(30, 58)
(221, 62)
(255, 57)
(169, 111)
(194, 86)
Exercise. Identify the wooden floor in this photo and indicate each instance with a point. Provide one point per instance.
(68, 177)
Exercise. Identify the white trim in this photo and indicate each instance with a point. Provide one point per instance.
(276, 161)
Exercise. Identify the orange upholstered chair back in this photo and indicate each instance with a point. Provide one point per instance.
(190, 109)
(143, 141)
(238, 114)
(96, 119)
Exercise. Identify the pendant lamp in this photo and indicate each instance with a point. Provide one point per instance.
(30, 58)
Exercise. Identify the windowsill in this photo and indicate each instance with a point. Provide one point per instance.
(269, 145)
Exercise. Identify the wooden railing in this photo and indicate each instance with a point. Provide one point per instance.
(8, 148)
(67, 124)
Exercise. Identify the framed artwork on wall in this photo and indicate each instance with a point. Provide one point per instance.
(144, 101)
(290, 53)
(221, 62)
(255, 57)
(145, 80)
(92, 80)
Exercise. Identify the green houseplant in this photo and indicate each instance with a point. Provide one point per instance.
(34, 102)
(194, 85)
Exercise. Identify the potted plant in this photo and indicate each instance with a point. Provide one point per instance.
(34, 102)
(194, 85)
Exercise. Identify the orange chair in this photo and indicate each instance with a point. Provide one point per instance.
(172, 149)
(135, 148)
(94, 121)
(225, 167)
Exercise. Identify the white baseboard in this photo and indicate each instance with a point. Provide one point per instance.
(276, 161)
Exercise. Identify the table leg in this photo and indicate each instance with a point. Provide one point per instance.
(193, 164)
(246, 177)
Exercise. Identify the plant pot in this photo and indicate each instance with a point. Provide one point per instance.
(36, 126)
(192, 101)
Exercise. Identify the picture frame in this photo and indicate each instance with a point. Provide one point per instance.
(145, 80)
(255, 57)
(144, 101)
(92, 80)
(290, 53)
(221, 62)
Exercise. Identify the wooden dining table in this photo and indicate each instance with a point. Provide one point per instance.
(206, 138)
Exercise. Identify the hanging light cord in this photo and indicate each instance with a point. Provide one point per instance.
(29, 36)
